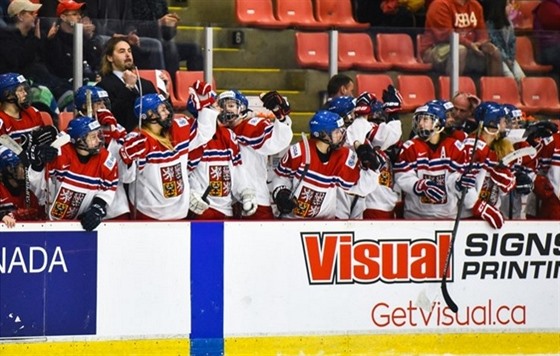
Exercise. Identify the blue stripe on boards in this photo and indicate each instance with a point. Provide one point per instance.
(207, 288)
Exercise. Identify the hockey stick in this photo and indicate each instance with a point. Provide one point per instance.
(134, 210)
(448, 300)
(307, 153)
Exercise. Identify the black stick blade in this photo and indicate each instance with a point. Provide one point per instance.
(448, 300)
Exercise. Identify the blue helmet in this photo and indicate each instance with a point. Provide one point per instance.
(489, 113)
(226, 116)
(447, 105)
(243, 102)
(512, 112)
(8, 159)
(79, 128)
(146, 109)
(344, 106)
(97, 95)
(323, 123)
(436, 112)
(9, 82)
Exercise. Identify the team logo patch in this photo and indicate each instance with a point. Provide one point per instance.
(440, 181)
(172, 181)
(220, 181)
(254, 121)
(489, 191)
(182, 122)
(352, 159)
(110, 162)
(67, 204)
(295, 151)
(309, 203)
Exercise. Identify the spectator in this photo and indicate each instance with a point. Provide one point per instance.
(114, 18)
(461, 122)
(157, 157)
(311, 192)
(502, 35)
(476, 52)
(340, 85)
(429, 167)
(546, 30)
(60, 43)
(120, 79)
(153, 19)
(22, 52)
(82, 179)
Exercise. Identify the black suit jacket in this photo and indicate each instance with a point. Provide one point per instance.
(122, 98)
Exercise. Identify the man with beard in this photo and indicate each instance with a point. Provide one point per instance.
(121, 80)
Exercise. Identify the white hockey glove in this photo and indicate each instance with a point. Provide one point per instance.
(249, 202)
(196, 204)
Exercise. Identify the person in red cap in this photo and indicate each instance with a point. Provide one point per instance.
(60, 42)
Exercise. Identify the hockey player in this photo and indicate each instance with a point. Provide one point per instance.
(81, 180)
(15, 198)
(492, 178)
(219, 167)
(157, 157)
(17, 116)
(429, 167)
(260, 138)
(113, 134)
(309, 174)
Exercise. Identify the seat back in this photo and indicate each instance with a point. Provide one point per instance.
(152, 76)
(312, 49)
(524, 53)
(184, 80)
(395, 48)
(297, 13)
(337, 13)
(466, 84)
(416, 90)
(46, 118)
(502, 90)
(540, 93)
(354, 48)
(256, 13)
(373, 83)
(63, 119)
(526, 7)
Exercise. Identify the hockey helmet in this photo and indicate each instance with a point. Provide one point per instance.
(9, 84)
(79, 130)
(149, 109)
(323, 124)
(344, 106)
(97, 95)
(434, 111)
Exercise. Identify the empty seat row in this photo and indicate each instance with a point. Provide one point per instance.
(356, 51)
(538, 94)
(305, 14)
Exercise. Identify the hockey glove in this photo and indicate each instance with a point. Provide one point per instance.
(430, 190)
(133, 148)
(283, 200)
(539, 130)
(206, 96)
(111, 129)
(276, 103)
(367, 156)
(40, 155)
(249, 202)
(488, 213)
(92, 217)
(196, 204)
(467, 180)
(44, 135)
(503, 178)
(523, 183)
(363, 104)
(392, 100)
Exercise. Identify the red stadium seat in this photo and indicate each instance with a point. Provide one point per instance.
(540, 94)
(466, 84)
(257, 13)
(184, 80)
(502, 90)
(355, 50)
(373, 83)
(337, 13)
(298, 13)
(526, 7)
(46, 118)
(524, 54)
(151, 75)
(312, 50)
(397, 49)
(416, 90)
(63, 119)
